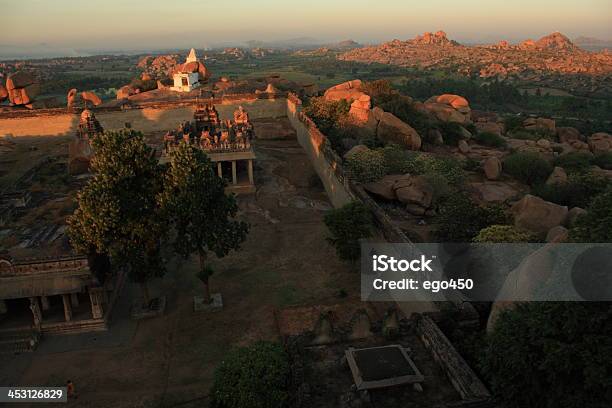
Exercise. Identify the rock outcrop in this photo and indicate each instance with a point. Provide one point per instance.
(534, 214)
(558, 176)
(415, 192)
(3, 93)
(600, 143)
(540, 124)
(492, 168)
(22, 88)
(568, 134)
(373, 121)
(448, 108)
(393, 130)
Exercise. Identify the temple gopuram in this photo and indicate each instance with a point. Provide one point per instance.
(226, 142)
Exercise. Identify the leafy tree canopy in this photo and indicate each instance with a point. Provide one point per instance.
(552, 355)
(117, 213)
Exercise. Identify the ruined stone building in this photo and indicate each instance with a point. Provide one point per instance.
(227, 143)
(50, 295)
(80, 151)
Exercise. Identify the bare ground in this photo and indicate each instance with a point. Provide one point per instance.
(169, 360)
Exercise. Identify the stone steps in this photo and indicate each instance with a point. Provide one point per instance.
(18, 341)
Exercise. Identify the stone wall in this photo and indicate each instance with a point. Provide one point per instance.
(324, 160)
(152, 117)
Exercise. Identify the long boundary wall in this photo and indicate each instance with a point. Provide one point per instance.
(324, 160)
(146, 117)
(329, 168)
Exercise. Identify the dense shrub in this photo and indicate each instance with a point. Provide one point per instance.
(596, 224)
(385, 97)
(461, 219)
(579, 190)
(347, 225)
(331, 118)
(603, 160)
(527, 167)
(326, 114)
(574, 161)
(252, 377)
(452, 132)
(491, 140)
(502, 234)
(448, 167)
(366, 166)
(551, 355)
(440, 186)
(513, 123)
(400, 161)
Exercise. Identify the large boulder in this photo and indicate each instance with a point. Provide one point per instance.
(600, 143)
(558, 176)
(573, 215)
(3, 93)
(355, 150)
(523, 282)
(568, 134)
(22, 88)
(492, 167)
(557, 234)
(445, 113)
(493, 191)
(448, 108)
(490, 127)
(414, 191)
(125, 91)
(350, 90)
(360, 108)
(534, 214)
(456, 101)
(91, 98)
(383, 188)
(393, 130)
(540, 124)
(71, 98)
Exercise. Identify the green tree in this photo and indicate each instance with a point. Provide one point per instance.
(527, 167)
(202, 215)
(596, 224)
(349, 224)
(252, 377)
(461, 219)
(117, 214)
(552, 355)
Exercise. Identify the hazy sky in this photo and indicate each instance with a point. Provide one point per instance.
(153, 24)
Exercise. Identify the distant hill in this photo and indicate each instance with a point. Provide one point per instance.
(530, 60)
(346, 45)
(591, 43)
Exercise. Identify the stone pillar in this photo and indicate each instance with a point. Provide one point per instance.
(234, 176)
(251, 179)
(36, 313)
(67, 307)
(74, 299)
(96, 297)
(44, 301)
(219, 169)
(3, 309)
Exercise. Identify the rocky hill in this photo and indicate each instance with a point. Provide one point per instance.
(530, 60)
